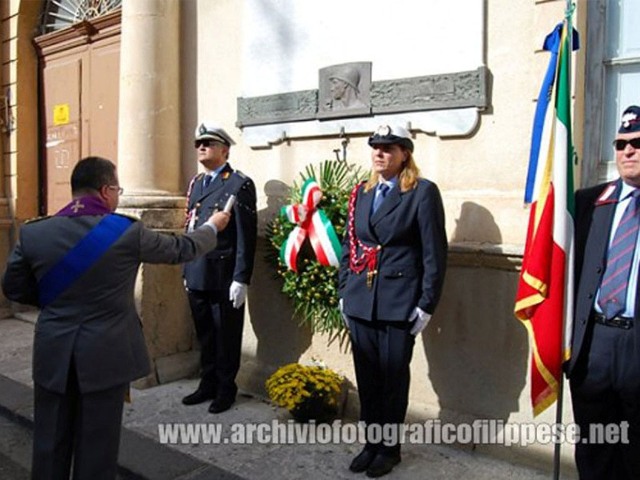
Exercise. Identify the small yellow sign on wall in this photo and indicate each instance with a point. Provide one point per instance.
(61, 114)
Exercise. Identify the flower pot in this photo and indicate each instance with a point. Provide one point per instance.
(314, 408)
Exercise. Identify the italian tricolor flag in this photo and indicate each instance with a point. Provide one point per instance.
(544, 300)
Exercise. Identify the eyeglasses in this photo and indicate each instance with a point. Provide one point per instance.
(621, 144)
(206, 143)
(120, 190)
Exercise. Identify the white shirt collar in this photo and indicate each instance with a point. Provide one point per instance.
(626, 191)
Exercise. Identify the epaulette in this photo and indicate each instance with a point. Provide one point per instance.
(243, 178)
(607, 195)
(130, 217)
(37, 219)
(240, 179)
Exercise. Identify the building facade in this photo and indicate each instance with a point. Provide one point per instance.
(131, 79)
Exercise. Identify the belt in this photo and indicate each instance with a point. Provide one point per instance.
(618, 322)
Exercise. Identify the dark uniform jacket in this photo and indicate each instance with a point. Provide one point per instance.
(94, 320)
(595, 208)
(410, 229)
(233, 258)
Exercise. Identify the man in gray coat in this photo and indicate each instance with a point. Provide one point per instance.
(79, 267)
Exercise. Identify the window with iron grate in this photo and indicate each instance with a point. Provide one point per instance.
(59, 14)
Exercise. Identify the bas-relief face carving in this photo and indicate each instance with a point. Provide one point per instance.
(338, 88)
(345, 87)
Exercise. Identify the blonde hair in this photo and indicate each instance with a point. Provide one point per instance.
(407, 179)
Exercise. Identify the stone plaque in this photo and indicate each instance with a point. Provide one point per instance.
(282, 107)
(425, 93)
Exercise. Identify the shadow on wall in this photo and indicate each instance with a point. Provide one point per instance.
(280, 340)
(476, 348)
(476, 224)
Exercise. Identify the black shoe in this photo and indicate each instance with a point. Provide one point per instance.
(362, 461)
(199, 396)
(220, 405)
(382, 465)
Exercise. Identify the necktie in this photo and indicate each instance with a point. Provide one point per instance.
(613, 289)
(381, 193)
(207, 180)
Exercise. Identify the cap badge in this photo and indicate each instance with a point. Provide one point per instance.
(202, 129)
(383, 130)
(628, 119)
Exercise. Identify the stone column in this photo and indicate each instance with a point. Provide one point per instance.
(149, 143)
(149, 171)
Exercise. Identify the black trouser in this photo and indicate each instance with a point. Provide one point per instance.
(219, 330)
(382, 354)
(79, 428)
(605, 389)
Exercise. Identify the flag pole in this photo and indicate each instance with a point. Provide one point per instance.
(560, 400)
(556, 447)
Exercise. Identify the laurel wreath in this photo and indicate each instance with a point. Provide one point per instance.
(314, 289)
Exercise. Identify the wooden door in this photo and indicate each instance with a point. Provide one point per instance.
(79, 85)
(61, 96)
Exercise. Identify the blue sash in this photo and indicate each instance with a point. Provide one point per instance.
(82, 256)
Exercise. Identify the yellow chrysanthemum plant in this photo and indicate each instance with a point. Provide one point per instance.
(309, 392)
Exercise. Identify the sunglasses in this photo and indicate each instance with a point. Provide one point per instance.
(206, 143)
(622, 144)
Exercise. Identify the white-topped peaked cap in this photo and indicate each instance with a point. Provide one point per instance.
(391, 134)
(214, 132)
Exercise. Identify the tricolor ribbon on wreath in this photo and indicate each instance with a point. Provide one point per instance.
(311, 222)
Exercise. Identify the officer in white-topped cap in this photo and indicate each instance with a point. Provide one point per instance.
(217, 283)
(391, 275)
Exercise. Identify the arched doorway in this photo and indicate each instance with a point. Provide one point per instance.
(79, 65)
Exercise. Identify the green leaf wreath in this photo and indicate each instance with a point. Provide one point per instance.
(314, 288)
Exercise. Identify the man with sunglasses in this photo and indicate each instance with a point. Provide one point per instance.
(217, 283)
(604, 368)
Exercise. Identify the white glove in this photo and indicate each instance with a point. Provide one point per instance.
(237, 293)
(420, 319)
(344, 317)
